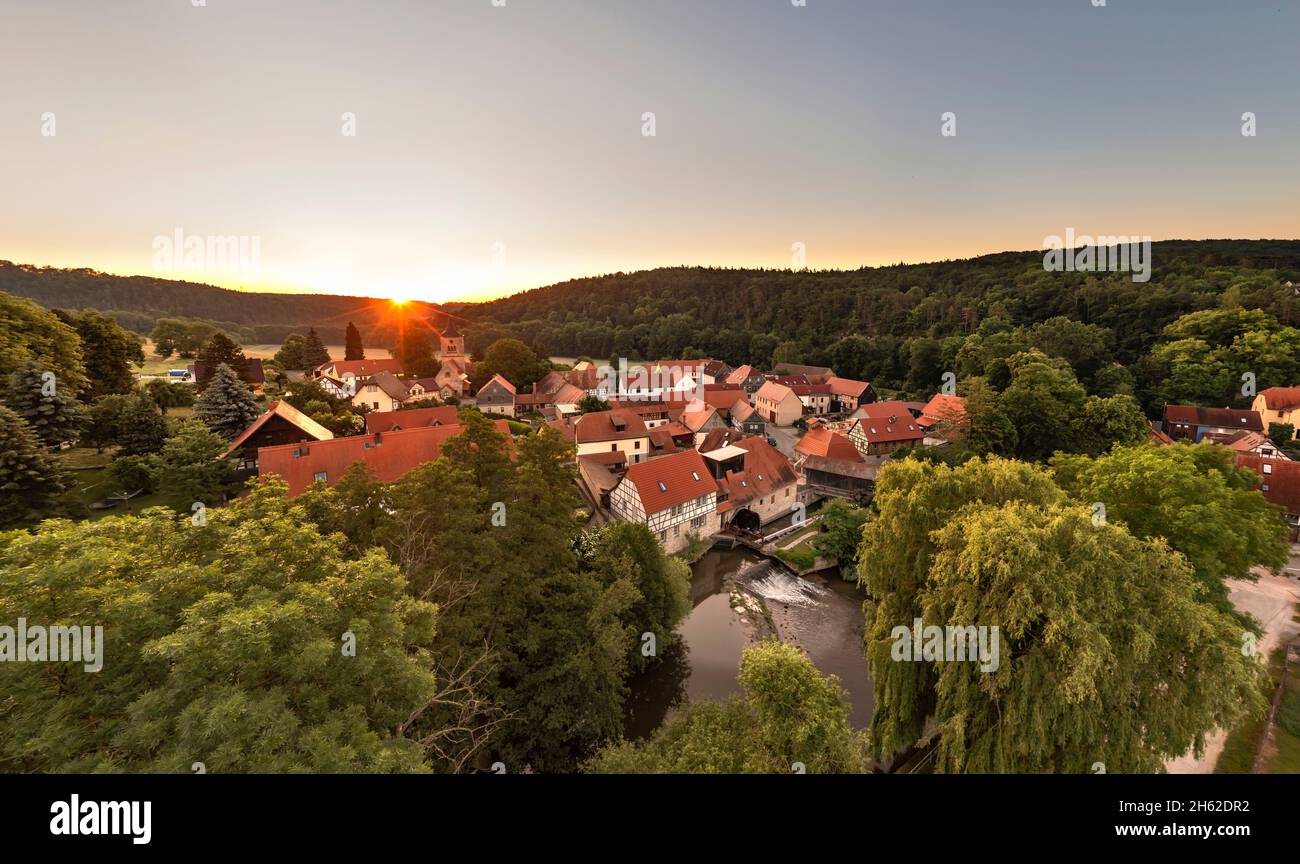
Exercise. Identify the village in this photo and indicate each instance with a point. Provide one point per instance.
(694, 449)
(697, 450)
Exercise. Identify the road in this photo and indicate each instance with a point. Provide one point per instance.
(1271, 600)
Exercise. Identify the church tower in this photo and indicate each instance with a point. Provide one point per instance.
(451, 343)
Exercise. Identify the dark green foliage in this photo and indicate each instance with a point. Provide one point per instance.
(45, 403)
(30, 478)
(108, 351)
(352, 347)
(227, 406)
(290, 355)
(170, 394)
(218, 350)
(313, 351)
(790, 716)
(224, 644)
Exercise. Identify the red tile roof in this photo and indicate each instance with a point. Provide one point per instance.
(884, 410)
(362, 368)
(285, 412)
(773, 391)
(388, 455)
(943, 409)
(884, 430)
(1281, 398)
(826, 442)
(617, 424)
(1224, 418)
(510, 388)
(670, 480)
(765, 471)
(847, 387)
(811, 389)
(387, 421)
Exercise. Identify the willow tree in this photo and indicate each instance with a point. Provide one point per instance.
(1107, 659)
(914, 499)
(1105, 651)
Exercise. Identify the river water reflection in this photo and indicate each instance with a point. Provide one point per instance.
(823, 616)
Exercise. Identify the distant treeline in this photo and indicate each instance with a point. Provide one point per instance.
(137, 301)
(879, 322)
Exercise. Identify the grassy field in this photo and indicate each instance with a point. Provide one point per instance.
(155, 365)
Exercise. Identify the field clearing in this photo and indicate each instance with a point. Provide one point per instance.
(155, 365)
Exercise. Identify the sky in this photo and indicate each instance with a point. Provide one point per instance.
(500, 145)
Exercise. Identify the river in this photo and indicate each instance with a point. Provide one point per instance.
(822, 616)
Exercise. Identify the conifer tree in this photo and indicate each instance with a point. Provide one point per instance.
(313, 351)
(29, 476)
(137, 424)
(227, 406)
(46, 404)
(352, 347)
(220, 349)
(188, 468)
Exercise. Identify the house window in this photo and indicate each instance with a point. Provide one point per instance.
(636, 446)
(697, 522)
(297, 452)
(1268, 469)
(321, 476)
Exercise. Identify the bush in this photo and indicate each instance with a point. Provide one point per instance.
(800, 557)
(132, 473)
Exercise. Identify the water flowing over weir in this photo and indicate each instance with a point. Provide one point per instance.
(820, 615)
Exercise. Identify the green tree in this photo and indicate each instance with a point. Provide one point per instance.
(789, 714)
(1196, 499)
(45, 403)
(1141, 671)
(841, 531)
(913, 499)
(1043, 403)
(108, 351)
(1281, 434)
(30, 479)
(31, 333)
(313, 350)
(290, 355)
(1104, 422)
(226, 644)
(662, 582)
(352, 347)
(189, 467)
(591, 403)
(218, 350)
(513, 361)
(227, 406)
(180, 336)
(989, 430)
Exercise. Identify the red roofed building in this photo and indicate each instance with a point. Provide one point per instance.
(281, 423)
(847, 394)
(617, 429)
(815, 398)
(1279, 483)
(388, 455)
(943, 412)
(674, 496)
(874, 436)
(1278, 405)
(1194, 423)
(756, 483)
(411, 418)
(354, 369)
(778, 404)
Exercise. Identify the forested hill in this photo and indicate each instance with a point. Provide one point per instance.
(742, 315)
(137, 300)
